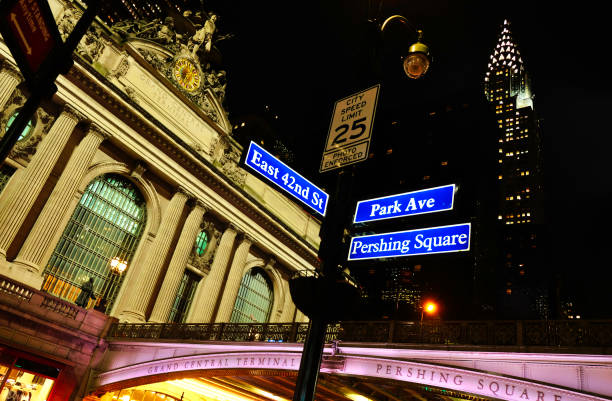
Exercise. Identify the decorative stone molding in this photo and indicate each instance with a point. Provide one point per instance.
(229, 162)
(182, 190)
(200, 203)
(8, 68)
(101, 132)
(204, 261)
(270, 263)
(248, 238)
(25, 148)
(67, 20)
(73, 113)
(139, 170)
(132, 94)
(122, 68)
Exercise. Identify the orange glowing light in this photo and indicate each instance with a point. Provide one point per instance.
(430, 307)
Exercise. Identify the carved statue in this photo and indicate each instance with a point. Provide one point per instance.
(166, 32)
(66, 21)
(171, 34)
(203, 36)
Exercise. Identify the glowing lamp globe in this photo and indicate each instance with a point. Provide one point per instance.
(118, 265)
(417, 62)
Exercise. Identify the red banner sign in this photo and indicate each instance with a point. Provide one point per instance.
(31, 33)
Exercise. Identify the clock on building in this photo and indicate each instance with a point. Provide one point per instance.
(186, 74)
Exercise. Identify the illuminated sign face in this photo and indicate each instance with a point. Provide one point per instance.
(275, 171)
(443, 239)
(407, 204)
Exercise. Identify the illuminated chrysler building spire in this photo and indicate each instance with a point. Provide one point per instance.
(506, 64)
(520, 194)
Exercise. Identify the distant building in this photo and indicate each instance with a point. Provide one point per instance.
(427, 146)
(521, 275)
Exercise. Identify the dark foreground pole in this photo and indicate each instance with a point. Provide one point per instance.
(328, 290)
(310, 364)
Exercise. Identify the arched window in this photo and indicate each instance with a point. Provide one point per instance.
(255, 298)
(26, 131)
(201, 243)
(107, 223)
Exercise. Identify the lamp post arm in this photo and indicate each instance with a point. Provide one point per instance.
(401, 18)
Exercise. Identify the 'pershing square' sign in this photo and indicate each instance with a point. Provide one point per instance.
(454, 238)
(277, 172)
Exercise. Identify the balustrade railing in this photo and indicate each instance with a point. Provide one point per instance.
(15, 289)
(28, 294)
(546, 333)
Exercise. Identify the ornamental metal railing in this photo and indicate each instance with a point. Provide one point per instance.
(556, 335)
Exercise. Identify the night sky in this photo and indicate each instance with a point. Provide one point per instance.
(298, 58)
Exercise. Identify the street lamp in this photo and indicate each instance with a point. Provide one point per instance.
(418, 60)
(117, 267)
(430, 308)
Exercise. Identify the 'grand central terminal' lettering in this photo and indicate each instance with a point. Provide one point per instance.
(227, 363)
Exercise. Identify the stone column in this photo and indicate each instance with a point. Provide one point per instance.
(288, 306)
(232, 285)
(145, 277)
(300, 317)
(174, 274)
(208, 290)
(21, 198)
(31, 253)
(9, 79)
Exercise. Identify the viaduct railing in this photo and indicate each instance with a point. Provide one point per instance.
(583, 336)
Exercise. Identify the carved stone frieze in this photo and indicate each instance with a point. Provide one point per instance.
(122, 68)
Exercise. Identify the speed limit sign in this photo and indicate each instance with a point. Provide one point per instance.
(348, 139)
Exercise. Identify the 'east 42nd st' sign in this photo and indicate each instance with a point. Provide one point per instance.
(277, 172)
(432, 240)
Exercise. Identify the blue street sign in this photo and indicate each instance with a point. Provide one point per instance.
(432, 240)
(406, 204)
(277, 172)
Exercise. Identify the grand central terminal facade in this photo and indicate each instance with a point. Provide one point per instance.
(129, 177)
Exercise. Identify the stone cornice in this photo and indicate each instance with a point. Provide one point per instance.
(184, 155)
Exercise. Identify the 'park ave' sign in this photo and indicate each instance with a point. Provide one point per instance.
(410, 203)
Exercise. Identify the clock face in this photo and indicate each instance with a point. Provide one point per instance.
(187, 74)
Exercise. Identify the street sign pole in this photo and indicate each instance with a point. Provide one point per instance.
(58, 62)
(347, 143)
(332, 237)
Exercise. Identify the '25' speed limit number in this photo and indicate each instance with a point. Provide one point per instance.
(351, 124)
